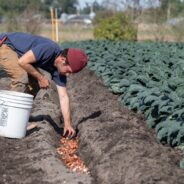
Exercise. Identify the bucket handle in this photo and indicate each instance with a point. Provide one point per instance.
(2, 102)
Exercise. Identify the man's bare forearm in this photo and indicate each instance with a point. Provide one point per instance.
(31, 70)
(65, 104)
(26, 62)
(65, 108)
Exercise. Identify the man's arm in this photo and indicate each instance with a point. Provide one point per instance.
(26, 62)
(65, 109)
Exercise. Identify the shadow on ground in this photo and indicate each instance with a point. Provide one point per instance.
(116, 143)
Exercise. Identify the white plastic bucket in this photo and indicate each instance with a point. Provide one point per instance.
(17, 95)
(12, 99)
(14, 113)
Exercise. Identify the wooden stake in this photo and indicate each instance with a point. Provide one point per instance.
(52, 23)
(56, 25)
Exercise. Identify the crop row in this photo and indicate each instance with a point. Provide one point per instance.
(149, 79)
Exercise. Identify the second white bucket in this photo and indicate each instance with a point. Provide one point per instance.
(14, 113)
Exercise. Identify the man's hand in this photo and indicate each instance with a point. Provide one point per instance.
(26, 62)
(69, 131)
(43, 82)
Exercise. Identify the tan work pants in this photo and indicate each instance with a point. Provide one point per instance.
(20, 81)
(9, 62)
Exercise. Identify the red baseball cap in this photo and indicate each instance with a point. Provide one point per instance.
(77, 59)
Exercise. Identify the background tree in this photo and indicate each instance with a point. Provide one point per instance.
(176, 8)
(68, 6)
(164, 9)
(13, 11)
(95, 6)
(111, 5)
(45, 7)
(116, 27)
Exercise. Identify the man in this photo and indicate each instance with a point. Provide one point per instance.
(22, 53)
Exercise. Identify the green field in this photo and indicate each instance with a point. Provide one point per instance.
(148, 77)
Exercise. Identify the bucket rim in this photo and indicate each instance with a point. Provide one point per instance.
(15, 93)
(11, 104)
(25, 102)
(14, 98)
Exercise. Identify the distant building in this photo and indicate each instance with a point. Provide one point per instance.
(175, 21)
(82, 19)
(85, 19)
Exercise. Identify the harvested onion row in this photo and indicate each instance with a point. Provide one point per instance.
(67, 150)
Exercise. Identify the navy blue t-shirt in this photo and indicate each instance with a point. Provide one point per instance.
(44, 49)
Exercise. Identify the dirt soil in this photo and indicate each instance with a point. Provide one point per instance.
(34, 159)
(114, 142)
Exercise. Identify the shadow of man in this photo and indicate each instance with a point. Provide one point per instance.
(59, 130)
